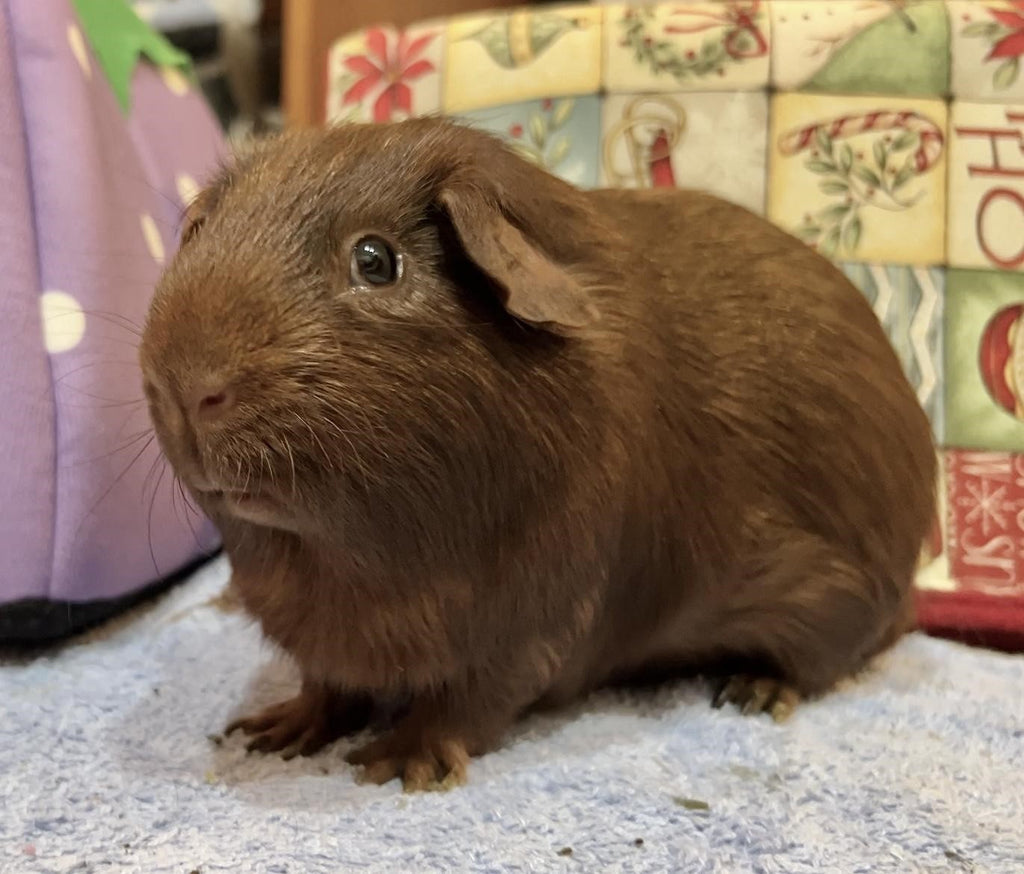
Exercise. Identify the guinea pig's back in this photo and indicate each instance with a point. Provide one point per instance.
(776, 374)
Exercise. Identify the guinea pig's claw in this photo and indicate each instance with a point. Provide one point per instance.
(783, 708)
(303, 725)
(292, 740)
(283, 727)
(754, 695)
(428, 767)
(249, 725)
(268, 742)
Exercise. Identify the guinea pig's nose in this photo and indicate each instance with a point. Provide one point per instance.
(211, 400)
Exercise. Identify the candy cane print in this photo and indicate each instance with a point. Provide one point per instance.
(928, 152)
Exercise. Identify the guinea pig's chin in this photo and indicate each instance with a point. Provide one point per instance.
(254, 509)
(257, 511)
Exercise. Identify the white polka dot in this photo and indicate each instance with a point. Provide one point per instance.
(63, 321)
(188, 190)
(175, 81)
(78, 49)
(154, 242)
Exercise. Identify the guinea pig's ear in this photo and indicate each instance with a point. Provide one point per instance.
(191, 222)
(533, 287)
(201, 205)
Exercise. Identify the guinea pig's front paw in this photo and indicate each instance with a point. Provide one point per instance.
(753, 695)
(305, 724)
(421, 762)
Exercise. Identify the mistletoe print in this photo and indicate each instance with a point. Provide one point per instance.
(861, 178)
(541, 140)
(904, 145)
(562, 135)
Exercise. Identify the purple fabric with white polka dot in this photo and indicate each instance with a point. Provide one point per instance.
(90, 211)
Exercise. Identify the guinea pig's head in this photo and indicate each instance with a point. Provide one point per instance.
(368, 316)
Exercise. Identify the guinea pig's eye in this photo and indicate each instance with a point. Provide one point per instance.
(192, 229)
(374, 263)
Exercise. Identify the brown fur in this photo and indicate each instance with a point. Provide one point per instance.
(586, 435)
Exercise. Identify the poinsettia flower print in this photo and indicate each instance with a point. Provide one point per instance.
(392, 66)
(1010, 45)
(1002, 27)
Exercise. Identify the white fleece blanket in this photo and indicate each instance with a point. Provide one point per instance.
(105, 766)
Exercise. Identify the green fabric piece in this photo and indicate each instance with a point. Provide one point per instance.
(119, 38)
(888, 58)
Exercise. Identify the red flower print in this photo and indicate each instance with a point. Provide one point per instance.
(394, 69)
(1012, 44)
(516, 130)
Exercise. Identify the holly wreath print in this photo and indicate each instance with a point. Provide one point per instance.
(735, 34)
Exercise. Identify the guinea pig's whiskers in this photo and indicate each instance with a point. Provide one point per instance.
(247, 469)
(131, 407)
(358, 464)
(117, 450)
(174, 502)
(180, 211)
(114, 320)
(187, 508)
(291, 460)
(104, 403)
(319, 442)
(90, 364)
(265, 466)
(187, 498)
(157, 462)
(238, 474)
(117, 320)
(115, 483)
(329, 400)
(107, 340)
(149, 516)
(62, 384)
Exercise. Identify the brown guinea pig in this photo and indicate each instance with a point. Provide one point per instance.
(480, 440)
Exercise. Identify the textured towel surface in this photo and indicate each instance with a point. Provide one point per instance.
(105, 766)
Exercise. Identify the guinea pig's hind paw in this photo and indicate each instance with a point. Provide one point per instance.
(433, 767)
(753, 695)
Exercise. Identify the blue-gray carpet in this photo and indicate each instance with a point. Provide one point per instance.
(105, 766)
